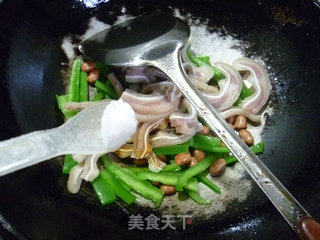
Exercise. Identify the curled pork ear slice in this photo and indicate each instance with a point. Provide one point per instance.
(90, 168)
(185, 123)
(75, 179)
(259, 79)
(164, 138)
(234, 111)
(230, 88)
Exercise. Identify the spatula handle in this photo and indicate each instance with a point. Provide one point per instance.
(309, 228)
(27, 150)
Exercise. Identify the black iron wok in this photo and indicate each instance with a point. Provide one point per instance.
(34, 203)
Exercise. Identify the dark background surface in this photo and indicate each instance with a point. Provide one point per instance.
(34, 203)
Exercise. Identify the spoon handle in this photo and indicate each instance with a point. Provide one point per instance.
(27, 150)
(286, 204)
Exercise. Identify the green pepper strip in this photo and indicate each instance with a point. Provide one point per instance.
(197, 198)
(256, 149)
(137, 170)
(98, 96)
(74, 86)
(175, 149)
(103, 71)
(204, 59)
(84, 91)
(117, 188)
(245, 92)
(208, 143)
(62, 100)
(140, 186)
(68, 164)
(209, 184)
(168, 179)
(111, 91)
(107, 89)
(103, 190)
(198, 62)
(173, 167)
(196, 169)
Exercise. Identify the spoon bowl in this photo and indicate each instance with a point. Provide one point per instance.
(82, 134)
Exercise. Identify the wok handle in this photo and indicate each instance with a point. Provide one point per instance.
(309, 228)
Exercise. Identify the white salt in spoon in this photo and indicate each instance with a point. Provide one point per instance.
(101, 128)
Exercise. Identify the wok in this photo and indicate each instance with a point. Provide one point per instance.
(34, 203)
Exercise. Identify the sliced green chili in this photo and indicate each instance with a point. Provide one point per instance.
(98, 96)
(84, 91)
(137, 170)
(209, 183)
(173, 167)
(204, 59)
(74, 85)
(197, 198)
(103, 71)
(68, 164)
(117, 188)
(196, 169)
(107, 88)
(111, 91)
(140, 186)
(103, 190)
(245, 92)
(199, 62)
(168, 179)
(62, 100)
(208, 143)
(175, 149)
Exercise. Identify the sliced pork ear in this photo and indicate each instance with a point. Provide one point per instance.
(185, 123)
(168, 137)
(141, 144)
(260, 81)
(156, 101)
(230, 88)
(75, 179)
(155, 164)
(90, 169)
(234, 111)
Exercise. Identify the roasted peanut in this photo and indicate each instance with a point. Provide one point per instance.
(246, 136)
(168, 189)
(231, 125)
(199, 155)
(241, 122)
(140, 161)
(88, 66)
(93, 75)
(204, 131)
(217, 167)
(193, 162)
(162, 158)
(182, 158)
(231, 119)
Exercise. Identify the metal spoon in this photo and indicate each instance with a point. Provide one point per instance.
(80, 134)
(157, 40)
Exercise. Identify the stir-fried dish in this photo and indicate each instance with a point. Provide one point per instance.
(172, 149)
